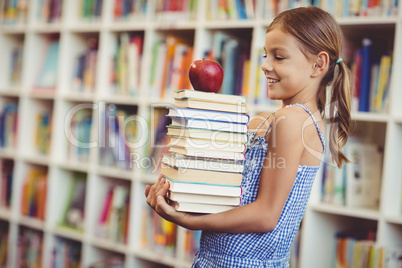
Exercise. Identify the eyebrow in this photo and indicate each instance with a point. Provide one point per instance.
(275, 49)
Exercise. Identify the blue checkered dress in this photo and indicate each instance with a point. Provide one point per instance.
(270, 249)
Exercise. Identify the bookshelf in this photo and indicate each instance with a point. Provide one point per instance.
(23, 39)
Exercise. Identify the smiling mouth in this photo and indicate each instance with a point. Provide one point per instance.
(272, 80)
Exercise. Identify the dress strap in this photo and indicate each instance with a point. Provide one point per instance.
(262, 123)
(314, 120)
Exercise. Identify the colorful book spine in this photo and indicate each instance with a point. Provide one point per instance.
(114, 215)
(50, 11)
(8, 125)
(79, 136)
(130, 9)
(15, 12)
(126, 65)
(66, 253)
(4, 234)
(43, 133)
(90, 10)
(30, 248)
(16, 66)
(6, 182)
(34, 190)
(85, 68)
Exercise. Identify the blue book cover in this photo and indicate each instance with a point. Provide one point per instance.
(48, 75)
(364, 99)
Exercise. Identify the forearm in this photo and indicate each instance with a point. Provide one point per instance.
(251, 218)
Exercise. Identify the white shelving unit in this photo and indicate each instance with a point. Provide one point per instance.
(321, 221)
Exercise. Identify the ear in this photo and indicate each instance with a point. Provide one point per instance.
(320, 64)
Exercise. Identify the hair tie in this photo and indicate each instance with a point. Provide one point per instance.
(339, 60)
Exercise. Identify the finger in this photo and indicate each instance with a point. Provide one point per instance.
(164, 207)
(164, 189)
(147, 189)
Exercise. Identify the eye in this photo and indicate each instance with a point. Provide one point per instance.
(264, 56)
(279, 58)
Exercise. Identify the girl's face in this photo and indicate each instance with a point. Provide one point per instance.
(285, 66)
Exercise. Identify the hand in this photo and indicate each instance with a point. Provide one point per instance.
(155, 197)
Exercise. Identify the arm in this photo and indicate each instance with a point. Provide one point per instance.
(276, 181)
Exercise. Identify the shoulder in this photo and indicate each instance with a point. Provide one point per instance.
(290, 119)
(256, 120)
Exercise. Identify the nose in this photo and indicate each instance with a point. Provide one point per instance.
(267, 65)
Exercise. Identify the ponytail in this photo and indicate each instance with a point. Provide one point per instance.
(339, 116)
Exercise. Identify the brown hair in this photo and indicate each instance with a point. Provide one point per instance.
(317, 31)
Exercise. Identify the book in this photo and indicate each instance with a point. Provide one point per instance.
(201, 176)
(49, 70)
(198, 133)
(209, 105)
(203, 188)
(207, 144)
(204, 199)
(75, 207)
(363, 174)
(207, 153)
(209, 115)
(201, 208)
(180, 161)
(364, 99)
(208, 96)
(209, 124)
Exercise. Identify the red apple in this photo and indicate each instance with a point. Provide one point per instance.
(206, 75)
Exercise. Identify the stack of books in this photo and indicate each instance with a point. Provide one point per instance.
(208, 137)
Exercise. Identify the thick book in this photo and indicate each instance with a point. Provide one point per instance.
(198, 133)
(209, 124)
(211, 105)
(203, 188)
(201, 208)
(180, 161)
(216, 154)
(208, 96)
(201, 176)
(209, 115)
(204, 199)
(207, 144)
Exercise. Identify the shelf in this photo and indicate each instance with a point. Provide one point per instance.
(5, 214)
(7, 153)
(109, 245)
(152, 255)
(14, 29)
(229, 24)
(43, 160)
(149, 178)
(398, 119)
(42, 94)
(394, 220)
(79, 97)
(31, 222)
(367, 20)
(74, 166)
(371, 117)
(68, 233)
(363, 213)
(115, 173)
(123, 100)
(10, 92)
(46, 27)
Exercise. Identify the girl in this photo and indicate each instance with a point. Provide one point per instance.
(302, 57)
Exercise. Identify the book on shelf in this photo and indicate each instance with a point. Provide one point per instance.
(214, 115)
(33, 194)
(363, 174)
(231, 9)
(75, 206)
(49, 11)
(176, 10)
(126, 65)
(201, 176)
(207, 144)
(171, 60)
(158, 234)
(43, 132)
(130, 10)
(8, 125)
(4, 234)
(85, 68)
(199, 133)
(16, 66)
(15, 12)
(90, 10)
(79, 136)
(204, 188)
(30, 248)
(209, 125)
(66, 253)
(207, 153)
(113, 218)
(191, 243)
(181, 161)
(48, 70)
(6, 182)
(204, 199)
